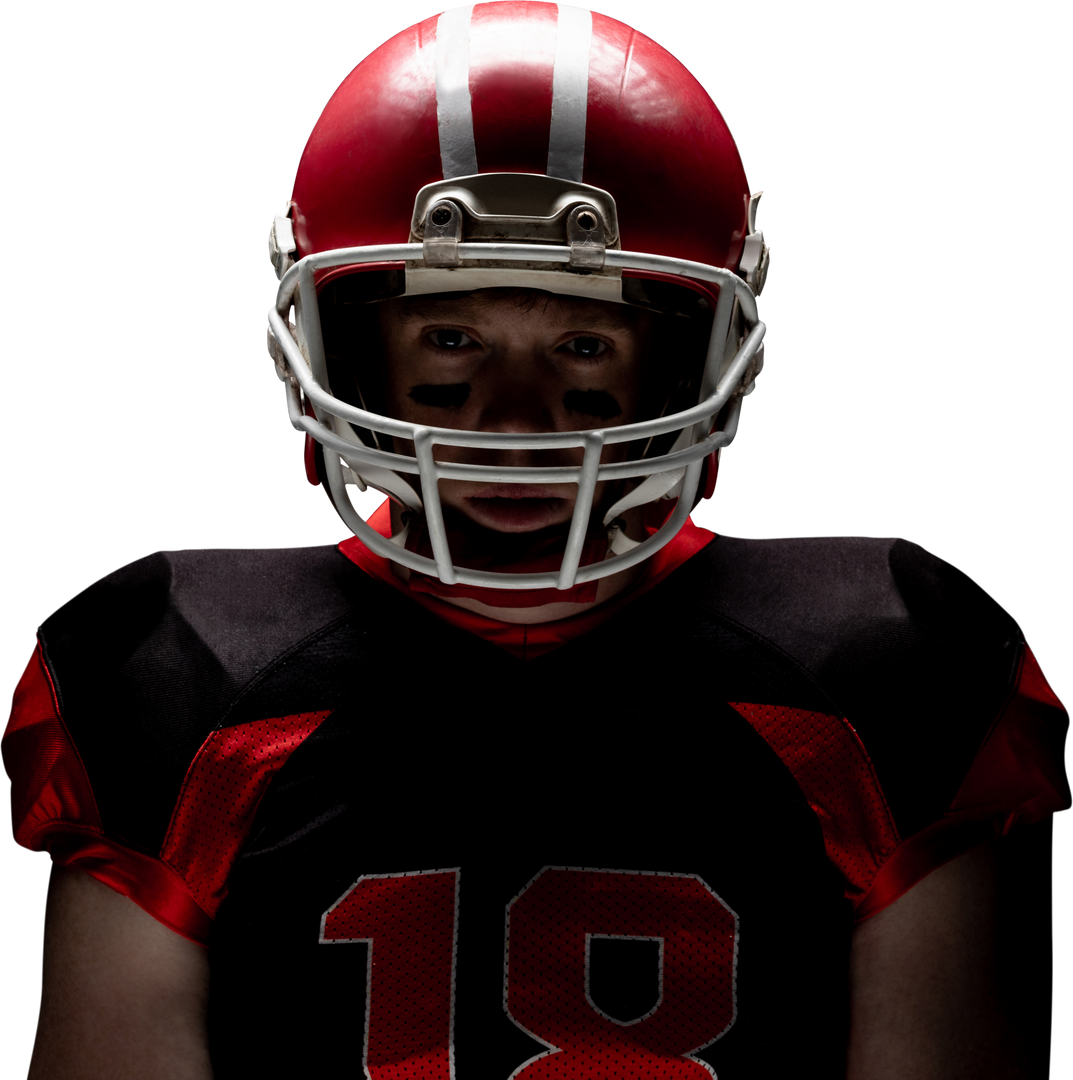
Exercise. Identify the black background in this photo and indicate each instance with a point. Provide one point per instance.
(889, 141)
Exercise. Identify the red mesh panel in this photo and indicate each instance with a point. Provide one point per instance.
(219, 798)
(836, 776)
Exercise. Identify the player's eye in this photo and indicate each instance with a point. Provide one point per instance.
(588, 348)
(449, 339)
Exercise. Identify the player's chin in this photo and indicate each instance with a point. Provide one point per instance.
(518, 515)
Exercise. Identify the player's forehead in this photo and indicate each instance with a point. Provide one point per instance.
(544, 310)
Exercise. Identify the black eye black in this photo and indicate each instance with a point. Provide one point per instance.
(592, 403)
(440, 395)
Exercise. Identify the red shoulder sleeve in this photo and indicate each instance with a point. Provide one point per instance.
(49, 786)
(836, 776)
(1016, 776)
(54, 810)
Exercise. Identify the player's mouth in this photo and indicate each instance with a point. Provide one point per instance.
(517, 507)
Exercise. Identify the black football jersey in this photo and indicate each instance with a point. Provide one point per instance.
(640, 854)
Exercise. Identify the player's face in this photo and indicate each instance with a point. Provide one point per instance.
(486, 362)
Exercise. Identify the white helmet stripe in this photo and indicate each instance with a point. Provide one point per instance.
(569, 96)
(454, 110)
(569, 93)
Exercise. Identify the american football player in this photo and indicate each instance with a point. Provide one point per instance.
(518, 296)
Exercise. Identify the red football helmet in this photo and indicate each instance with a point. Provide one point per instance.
(529, 145)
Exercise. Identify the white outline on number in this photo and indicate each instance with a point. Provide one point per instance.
(623, 937)
(552, 1048)
(457, 871)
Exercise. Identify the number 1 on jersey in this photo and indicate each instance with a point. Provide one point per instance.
(410, 923)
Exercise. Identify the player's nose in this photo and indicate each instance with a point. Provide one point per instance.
(516, 396)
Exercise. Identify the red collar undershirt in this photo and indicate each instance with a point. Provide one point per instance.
(520, 640)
